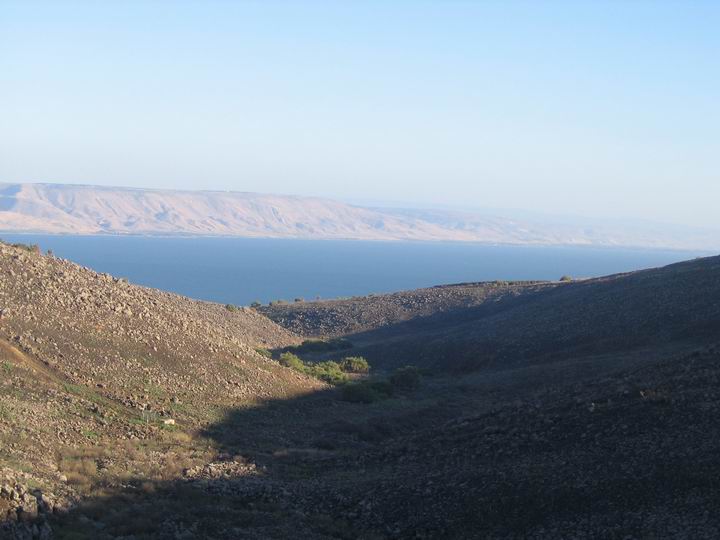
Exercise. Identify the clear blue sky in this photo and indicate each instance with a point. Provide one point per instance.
(601, 108)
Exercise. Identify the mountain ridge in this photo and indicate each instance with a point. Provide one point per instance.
(87, 210)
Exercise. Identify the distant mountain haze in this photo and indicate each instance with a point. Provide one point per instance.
(80, 209)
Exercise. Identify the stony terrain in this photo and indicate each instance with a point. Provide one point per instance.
(89, 361)
(335, 318)
(465, 327)
(135, 414)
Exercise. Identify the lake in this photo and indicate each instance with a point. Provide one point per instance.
(243, 270)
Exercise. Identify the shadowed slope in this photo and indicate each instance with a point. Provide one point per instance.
(508, 324)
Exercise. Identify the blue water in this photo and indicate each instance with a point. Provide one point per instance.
(242, 270)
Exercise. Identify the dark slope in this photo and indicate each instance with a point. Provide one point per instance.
(678, 305)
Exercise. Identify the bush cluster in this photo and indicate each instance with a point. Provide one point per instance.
(329, 371)
(354, 364)
(406, 378)
(291, 360)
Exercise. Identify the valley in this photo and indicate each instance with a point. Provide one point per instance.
(576, 409)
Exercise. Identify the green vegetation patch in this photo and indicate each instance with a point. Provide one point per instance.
(406, 378)
(328, 371)
(86, 393)
(354, 364)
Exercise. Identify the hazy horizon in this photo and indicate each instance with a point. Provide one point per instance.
(595, 110)
(397, 204)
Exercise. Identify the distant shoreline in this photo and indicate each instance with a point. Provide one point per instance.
(99, 211)
(179, 236)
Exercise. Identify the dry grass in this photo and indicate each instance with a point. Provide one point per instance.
(80, 467)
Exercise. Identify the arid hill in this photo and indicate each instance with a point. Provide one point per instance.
(77, 209)
(89, 360)
(551, 410)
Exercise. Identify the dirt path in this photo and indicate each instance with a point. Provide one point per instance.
(10, 353)
(48, 375)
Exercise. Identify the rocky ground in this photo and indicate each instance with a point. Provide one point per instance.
(91, 365)
(349, 316)
(135, 414)
(468, 327)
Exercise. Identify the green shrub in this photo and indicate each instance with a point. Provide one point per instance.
(299, 300)
(263, 352)
(405, 378)
(566, 278)
(256, 304)
(231, 308)
(354, 364)
(329, 372)
(292, 361)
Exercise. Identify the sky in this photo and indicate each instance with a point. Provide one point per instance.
(603, 109)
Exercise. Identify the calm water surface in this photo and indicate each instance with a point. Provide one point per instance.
(242, 270)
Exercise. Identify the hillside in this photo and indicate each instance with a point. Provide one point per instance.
(465, 327)
(346, 317)
(130, 413)
(75, 209)
(90, 361)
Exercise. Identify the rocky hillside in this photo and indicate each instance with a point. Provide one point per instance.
(345, 317)
(465, 327)
(89, 360)
(74, 209)
(583, 410)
